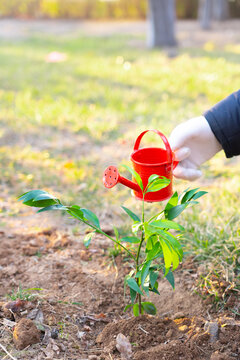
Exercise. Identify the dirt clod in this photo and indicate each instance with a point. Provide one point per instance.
(25, 334)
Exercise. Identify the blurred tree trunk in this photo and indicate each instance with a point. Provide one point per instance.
(220, 10)
(88, 9)
(212, 9)
(161, 23)
(204, 13)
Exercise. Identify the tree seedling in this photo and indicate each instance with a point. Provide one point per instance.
(155, 248)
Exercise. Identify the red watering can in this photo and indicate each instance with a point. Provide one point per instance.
(146, 162)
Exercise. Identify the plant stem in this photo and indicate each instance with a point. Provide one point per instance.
(154, 216)
(108, 236)
(137, 258)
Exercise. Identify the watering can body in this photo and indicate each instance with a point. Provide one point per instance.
(146, 162)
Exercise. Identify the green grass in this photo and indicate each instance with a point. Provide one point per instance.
(62, 124)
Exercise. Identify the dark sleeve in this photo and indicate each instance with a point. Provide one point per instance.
(224, 120)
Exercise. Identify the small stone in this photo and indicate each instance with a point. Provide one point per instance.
(52, 301)
(54, 333)
(80, 334)
(62, 347)
(169, 333)
(93, 357)
(212, 329)
(25, 334)
(178, 315)
(218, 356)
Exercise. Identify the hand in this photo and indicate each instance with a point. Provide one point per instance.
(193, 143)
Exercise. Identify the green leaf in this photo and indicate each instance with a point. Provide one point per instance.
(153, 278)
(29, 198)
(188, 195)
(116, 233)
(91, 217)
(157, 184)
(53, 207)
(133, 285)
(130, 239)
(173, 201)
(192, 195)
(133, 295)
(32, 289)
(44, 196)
(170, 278)
(149, 308)
(88, 238)
(177, 210)
(155, 252)
(127, 307)
(135, 175)
(146, 288)
(133, 216)
(175, 260)
(152, 178)
(76, 212)
(29, 195)
(136, 309)
(174, 243)
(145, 271)
(136, 227)
(167, 254)
(150, 243)
(198, 195)
(149, 230)
(155, 290)
(167, 224)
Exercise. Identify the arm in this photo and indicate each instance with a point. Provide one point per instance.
(224, 121)
(199, 139)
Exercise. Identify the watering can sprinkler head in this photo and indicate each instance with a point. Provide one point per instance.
(111, 177)
(146, 162)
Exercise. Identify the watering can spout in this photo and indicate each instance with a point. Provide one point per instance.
(112, 177)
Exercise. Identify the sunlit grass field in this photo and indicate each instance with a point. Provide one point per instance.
(62, 123)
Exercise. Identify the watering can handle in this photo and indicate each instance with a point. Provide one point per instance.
(170, 154)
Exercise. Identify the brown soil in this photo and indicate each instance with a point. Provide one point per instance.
(79, 310)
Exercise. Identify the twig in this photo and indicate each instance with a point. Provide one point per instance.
(5, 350)
(140, 328)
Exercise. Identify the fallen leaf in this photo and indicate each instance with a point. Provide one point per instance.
(8, 323)
(87, 328)
(36, 314)
(100, 316)
(47, 336)
(51, 350)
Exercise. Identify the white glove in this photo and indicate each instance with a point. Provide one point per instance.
(193, 143)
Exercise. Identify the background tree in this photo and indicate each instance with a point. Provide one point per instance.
(161, 23)
(220, 10)
(204, 13)
(212, 10)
